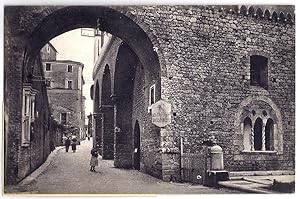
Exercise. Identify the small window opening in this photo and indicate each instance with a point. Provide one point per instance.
(63, 118)
(152, 95)
(259, 71)
(70, 68)
(48, 67)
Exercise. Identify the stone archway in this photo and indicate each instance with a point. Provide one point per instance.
(123, 91)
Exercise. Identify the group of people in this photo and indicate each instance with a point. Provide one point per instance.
(72, 142)
(94, 152)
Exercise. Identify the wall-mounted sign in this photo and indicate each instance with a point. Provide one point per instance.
(161, 113)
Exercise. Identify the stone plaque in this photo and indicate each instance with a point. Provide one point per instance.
(161, 113)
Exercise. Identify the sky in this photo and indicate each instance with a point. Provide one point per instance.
(72, 46)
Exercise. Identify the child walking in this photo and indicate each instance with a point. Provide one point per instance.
(94, 159)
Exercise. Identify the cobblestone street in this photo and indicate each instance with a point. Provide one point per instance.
(69, 173)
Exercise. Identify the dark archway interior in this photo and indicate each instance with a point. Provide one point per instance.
(258, 134)
(137, 146)
(123, 88)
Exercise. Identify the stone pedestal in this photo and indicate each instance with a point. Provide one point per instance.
(213, 177)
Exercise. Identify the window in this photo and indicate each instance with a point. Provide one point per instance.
(247, 134)
(48, 67)
(69, 84)
(269, 132)
(258, 135)
(28, 116)
(48, 48)
(48, 83)
(152, 95)
(70, 68)
(259, 71)
(63, 118)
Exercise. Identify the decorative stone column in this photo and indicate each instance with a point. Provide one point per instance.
(263, 134)
(252, 138)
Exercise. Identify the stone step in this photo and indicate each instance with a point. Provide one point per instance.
(260, 173)
(244, 186)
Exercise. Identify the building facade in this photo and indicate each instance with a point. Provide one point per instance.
(28, 133)
(64, 83)
(227, 71)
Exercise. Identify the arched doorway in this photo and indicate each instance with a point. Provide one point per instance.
(123, 89)
(46, 23)
(137, 147)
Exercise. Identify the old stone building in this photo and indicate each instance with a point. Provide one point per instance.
(227, 71)
(27, 128)
(64, 83)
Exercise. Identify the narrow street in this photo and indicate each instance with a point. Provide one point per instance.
(69, 173)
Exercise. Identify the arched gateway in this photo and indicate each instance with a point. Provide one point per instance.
(44, 23)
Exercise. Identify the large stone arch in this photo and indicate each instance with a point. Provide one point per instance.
(49, 22)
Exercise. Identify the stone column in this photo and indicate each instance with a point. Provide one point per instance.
(107, 131)
(170, 148)
(122, 148)
(252, 139)
(98, 130)
(263, 136)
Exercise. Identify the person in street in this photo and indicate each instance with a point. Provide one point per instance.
(67, 143)
(73, 144)
(94, 159)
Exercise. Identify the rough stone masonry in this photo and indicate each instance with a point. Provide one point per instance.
(228, 71)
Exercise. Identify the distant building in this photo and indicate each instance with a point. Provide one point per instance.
(64, 83)
(48, 52)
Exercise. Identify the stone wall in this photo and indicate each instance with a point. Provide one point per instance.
(66, 101)
(204, 58)
(207, 53)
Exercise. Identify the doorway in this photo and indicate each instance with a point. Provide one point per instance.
(137, 147)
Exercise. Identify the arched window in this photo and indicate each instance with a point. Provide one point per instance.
(269, 133)
(258, 134)
(247, 133)
(259, 71)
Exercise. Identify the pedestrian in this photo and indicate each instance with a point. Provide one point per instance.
(67, 143)
(74, 142)
(88, 137)
(94, 159)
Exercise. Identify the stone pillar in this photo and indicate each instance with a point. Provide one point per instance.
(108, 131)
(170, 156)
(263, 136)
(252, 138)
(123, 149)
(98, 131)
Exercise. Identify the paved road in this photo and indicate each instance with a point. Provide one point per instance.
(69, 173)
